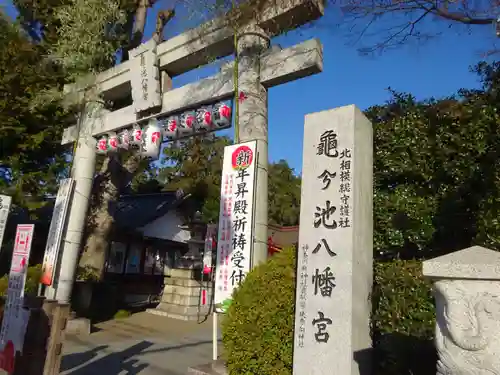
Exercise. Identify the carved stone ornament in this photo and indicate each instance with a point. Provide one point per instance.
(467, 327)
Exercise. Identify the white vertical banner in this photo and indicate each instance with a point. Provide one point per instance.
(235, 244)
(56, 230)
(209, 248)
(5, 202)
(15, 318)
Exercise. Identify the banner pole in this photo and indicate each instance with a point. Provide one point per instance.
(214, 336)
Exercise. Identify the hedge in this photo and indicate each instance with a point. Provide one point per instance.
(257, 331)
(32, 281)
(402, 320)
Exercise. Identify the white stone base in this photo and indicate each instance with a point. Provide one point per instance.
(181, 297)
(78, 326)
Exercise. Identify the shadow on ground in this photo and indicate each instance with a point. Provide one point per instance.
(118, 362)
(70, 361)
(111, 364)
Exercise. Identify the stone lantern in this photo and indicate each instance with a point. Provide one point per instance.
(467, 293)
(187, 294)
(193, 258)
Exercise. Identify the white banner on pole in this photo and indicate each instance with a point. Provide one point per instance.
(15, 318)
(56, 230)
(235, 244)
(5, 202)
(209, 248)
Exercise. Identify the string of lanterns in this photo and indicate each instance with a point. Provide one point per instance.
(148, 139)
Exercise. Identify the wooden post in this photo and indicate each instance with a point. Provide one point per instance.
(42, 349)
(57, 335)
(45, 327)
(30, 361)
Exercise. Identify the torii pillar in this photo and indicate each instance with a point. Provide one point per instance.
(83, 171)
(253, 125)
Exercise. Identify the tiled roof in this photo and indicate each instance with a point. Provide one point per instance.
(135, 211)
(132, 211)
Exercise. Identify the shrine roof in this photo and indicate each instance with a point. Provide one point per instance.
(136, 210)
(132, 210)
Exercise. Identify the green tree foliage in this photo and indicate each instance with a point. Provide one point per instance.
(437, 172)
(402, 320)
(32, 282)
(195, 167)
(82, 37)
(31, 158)
(257, 331)
(37, 19)
(284, 194)
(96, 25)
(145, 181)
(393, 282)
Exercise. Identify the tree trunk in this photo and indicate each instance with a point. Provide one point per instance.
(108, 186)
(127, 45)
(113, 177)
(139, 24)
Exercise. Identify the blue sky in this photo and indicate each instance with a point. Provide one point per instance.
(438, 68)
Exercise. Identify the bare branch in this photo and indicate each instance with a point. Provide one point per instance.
(462, 18)
(394, 23)
(161, 20)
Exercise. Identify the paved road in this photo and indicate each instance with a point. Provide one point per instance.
(142, 344)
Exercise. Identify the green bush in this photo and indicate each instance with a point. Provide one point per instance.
(32, 281)
(257, 330)
(122, 314)
(402, 320)
(87, 273)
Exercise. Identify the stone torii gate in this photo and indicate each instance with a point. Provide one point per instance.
(148, 75)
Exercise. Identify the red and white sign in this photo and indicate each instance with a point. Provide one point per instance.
(15, 318)
(242, 157)
(5, 202)
(56, 230)
(236, 220)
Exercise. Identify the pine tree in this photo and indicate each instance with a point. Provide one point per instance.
(31, 157)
